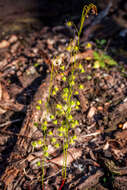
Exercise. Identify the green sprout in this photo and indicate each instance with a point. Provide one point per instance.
(103, 61)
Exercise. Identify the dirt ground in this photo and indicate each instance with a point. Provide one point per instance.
(98, 159)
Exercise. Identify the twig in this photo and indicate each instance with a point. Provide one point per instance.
(92, 134)
(9, 122)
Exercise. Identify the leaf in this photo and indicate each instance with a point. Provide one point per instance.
(71, 151)
(112, 62)
(97, 41)
(102, 42)
(102, 64)
(96, 55)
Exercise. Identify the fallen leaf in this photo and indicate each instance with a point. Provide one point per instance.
(13, 39)
(73, 154)
(4, 44)
(2, 111)
(83, 102)
(85, 55)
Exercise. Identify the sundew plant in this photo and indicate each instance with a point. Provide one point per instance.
(62, 117)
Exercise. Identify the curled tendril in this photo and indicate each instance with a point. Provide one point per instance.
(85, 12)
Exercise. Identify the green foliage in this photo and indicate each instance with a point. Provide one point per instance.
(103, 61)
(100, 43)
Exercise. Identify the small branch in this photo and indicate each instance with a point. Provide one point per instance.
(9, 122)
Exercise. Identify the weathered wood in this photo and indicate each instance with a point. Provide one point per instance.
(28, 129)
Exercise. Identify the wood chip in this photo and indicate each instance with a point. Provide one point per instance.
(91, 112)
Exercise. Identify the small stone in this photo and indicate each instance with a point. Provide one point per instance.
(4, 44)
(91, 112)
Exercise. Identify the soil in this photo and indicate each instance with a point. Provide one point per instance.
(98, 159)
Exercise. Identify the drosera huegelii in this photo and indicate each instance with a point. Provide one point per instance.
(62, 118)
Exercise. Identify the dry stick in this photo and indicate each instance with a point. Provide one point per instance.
(15, 134)
(92, 134)
(9, 122)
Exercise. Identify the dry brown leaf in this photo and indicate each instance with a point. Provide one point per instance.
(5, 95)
(4, 44)
(10, 175)
(13, 39)
(3, 63)
(2, 111)
(10, 105)
(85, 55)
(73, 154)
(83, 102)
(91, 180)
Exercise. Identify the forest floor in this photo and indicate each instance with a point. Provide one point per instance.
(98, 159)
